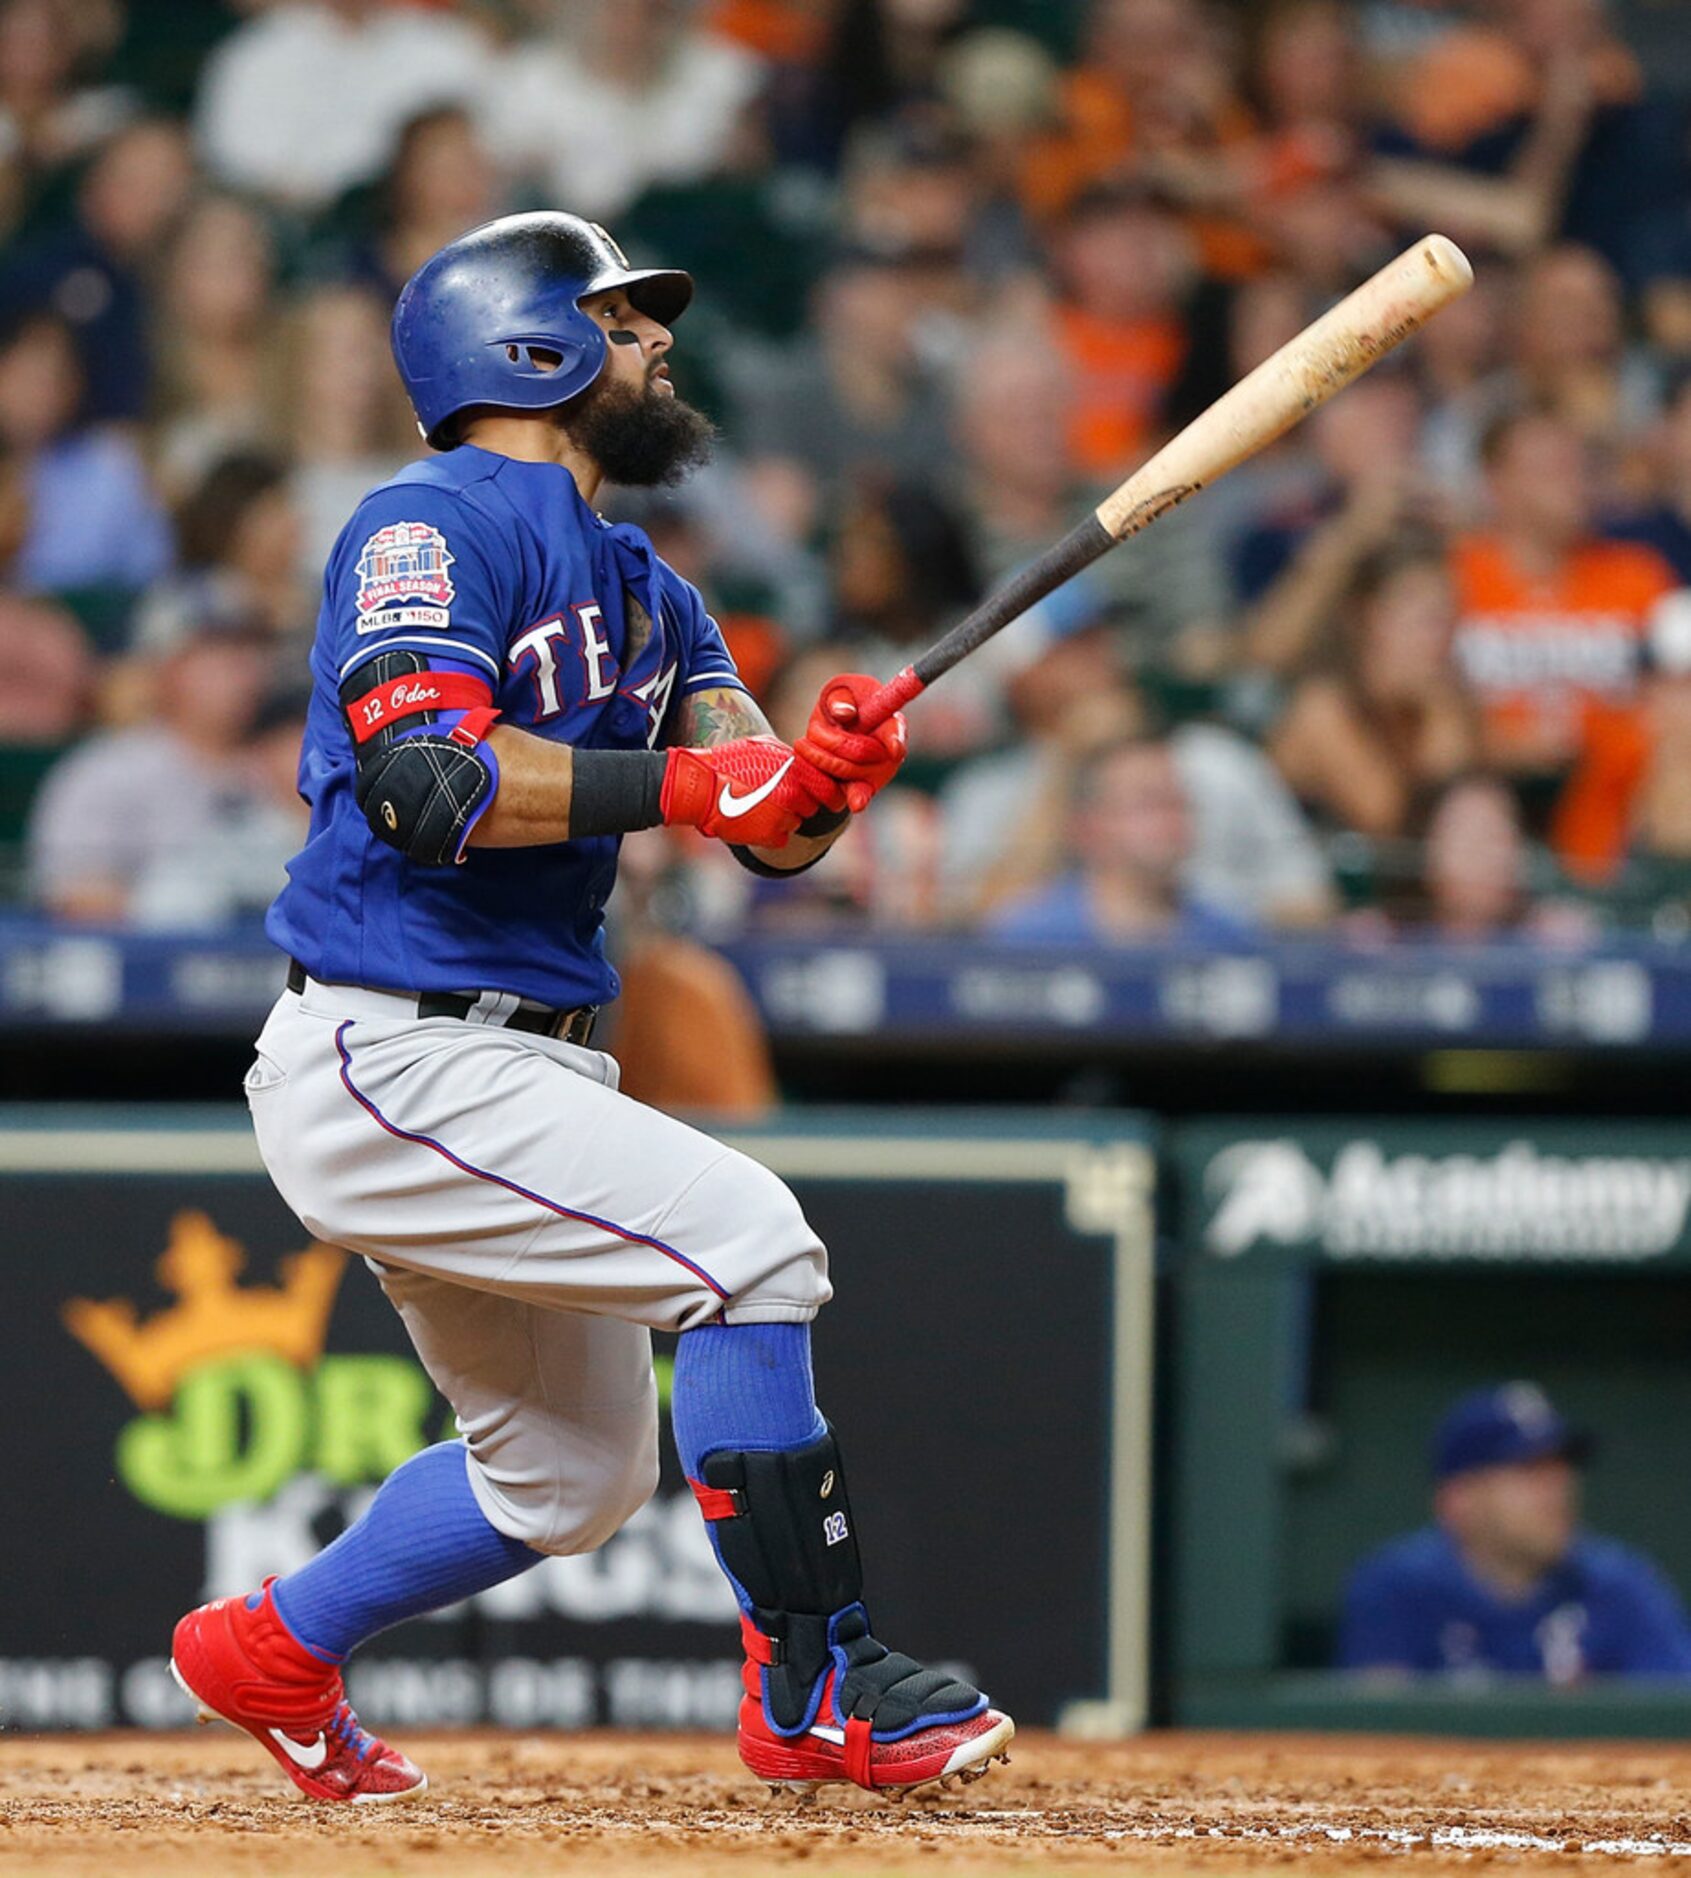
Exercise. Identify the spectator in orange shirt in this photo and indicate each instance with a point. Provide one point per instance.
(1483, 77)
(1630, 798)
(1155, 88)
(1551, 618)
(1124, 264)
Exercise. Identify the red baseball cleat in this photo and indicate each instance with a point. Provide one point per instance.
(837, 1748)
(240, 1662)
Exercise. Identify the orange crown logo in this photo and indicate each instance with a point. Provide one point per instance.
(214, 1315)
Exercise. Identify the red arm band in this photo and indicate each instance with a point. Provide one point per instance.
(399, 698)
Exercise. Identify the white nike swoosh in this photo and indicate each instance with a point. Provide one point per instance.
(730, 804)
(306, 1757)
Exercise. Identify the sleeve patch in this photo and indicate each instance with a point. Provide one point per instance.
(403, 578)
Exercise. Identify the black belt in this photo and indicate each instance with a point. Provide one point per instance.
(567, 1026)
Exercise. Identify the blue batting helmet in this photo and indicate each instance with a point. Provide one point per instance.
(469, 322)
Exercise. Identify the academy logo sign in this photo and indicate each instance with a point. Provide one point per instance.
(1516, 1203)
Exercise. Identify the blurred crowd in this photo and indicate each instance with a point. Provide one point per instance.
(1422, 667)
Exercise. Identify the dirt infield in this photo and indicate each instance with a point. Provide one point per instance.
(117, 1805)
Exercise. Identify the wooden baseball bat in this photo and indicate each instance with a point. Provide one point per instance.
(1265, 404)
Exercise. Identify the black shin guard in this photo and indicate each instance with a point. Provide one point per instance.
(788, 1538)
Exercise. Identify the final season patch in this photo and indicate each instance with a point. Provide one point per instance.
(406, 561)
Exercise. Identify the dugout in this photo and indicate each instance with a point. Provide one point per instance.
(1334, 1286)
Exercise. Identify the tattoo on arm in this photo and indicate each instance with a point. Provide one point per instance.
(717, 716)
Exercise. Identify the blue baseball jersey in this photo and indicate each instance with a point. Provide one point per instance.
(1605, 1610)
(497, 569)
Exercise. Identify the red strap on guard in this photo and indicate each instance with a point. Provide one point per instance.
(473, 726)
(399, 698)
(759, 1648)
(858, 1750)
(716, 1502)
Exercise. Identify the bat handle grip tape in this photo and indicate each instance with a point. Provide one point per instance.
(894, 695)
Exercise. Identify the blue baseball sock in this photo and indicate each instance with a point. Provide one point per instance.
(745, 1387)
(423, 1543)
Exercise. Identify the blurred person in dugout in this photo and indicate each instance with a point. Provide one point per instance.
(1505, 1581)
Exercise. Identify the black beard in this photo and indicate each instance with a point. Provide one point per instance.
(642, 439)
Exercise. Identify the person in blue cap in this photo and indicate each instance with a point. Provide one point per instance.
(1505, 1581)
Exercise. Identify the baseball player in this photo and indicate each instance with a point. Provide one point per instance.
(504, 685)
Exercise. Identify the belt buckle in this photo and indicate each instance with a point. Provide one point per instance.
(576, 1026)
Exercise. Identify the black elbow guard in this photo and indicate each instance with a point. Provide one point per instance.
(421, 793)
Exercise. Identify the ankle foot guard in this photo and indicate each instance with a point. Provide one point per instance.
(787, 1538)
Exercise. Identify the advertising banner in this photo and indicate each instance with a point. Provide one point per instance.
(205, 1397)
(1484, 1192)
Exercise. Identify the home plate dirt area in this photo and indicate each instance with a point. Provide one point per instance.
(103, 1806)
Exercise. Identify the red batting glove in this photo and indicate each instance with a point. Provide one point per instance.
(754, 791)
(865, 761)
